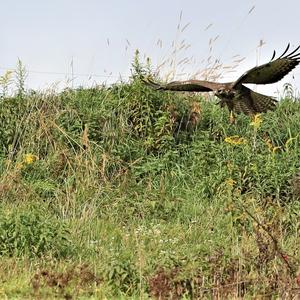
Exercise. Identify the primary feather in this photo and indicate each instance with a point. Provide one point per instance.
(272, 71)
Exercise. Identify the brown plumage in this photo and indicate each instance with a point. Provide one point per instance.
(235, 95)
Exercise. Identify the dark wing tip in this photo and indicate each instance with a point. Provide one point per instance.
(285, 51)
(292, 55)
(273, 56)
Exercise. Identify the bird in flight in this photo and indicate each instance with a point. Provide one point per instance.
(235, 95)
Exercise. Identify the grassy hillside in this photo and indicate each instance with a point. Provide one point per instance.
(125, 192)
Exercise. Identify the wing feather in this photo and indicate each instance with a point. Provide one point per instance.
(284, 52)
(187, 86)
(242, 106)
(262, 103)
(273, 56)
(272, 71)
(250, 102)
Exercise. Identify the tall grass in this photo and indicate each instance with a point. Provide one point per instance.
(157, 193)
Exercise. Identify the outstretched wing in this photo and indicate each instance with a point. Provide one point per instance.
(272, 71)
(187, 86)
(250, 102)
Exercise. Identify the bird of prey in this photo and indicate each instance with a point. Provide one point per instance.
(235, 95)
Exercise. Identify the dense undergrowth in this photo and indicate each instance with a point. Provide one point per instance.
(124, 192)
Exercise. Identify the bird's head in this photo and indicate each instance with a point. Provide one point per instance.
(224, 93)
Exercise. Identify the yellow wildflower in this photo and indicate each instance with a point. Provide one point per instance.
(29, 158)
(269, 144)
(257, 120)
(235, 140)
(271, 147)
(275, 149)
(230, 181)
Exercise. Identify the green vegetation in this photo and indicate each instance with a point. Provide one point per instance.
(123, 192)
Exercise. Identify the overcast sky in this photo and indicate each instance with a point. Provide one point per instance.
(100, 37)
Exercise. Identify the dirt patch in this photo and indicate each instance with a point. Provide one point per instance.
(60, 283)
(165, 284)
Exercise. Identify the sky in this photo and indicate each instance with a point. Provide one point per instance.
(75, 42)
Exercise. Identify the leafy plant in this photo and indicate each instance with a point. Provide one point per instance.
(32, 233)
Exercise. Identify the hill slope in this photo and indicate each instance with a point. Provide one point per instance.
(129, 192)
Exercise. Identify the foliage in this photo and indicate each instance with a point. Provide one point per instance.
(32, 234)
(163, 197)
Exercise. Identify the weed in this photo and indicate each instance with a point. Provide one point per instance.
(32, 234)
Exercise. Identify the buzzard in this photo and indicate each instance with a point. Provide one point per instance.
(235, 95)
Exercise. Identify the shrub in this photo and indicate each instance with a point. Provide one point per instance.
(32, 233)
